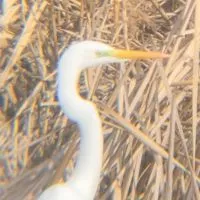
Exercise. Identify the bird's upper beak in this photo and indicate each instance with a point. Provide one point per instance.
(128, 54)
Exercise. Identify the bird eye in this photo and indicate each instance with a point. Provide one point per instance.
(102, 53)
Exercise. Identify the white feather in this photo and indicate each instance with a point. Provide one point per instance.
(85, 179)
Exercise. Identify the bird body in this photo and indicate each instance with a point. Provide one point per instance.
(61, 192)
(84, 181)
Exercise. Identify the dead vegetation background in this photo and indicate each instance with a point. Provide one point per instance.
(150, 109)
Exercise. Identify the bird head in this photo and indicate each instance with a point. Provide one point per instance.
(90, 53)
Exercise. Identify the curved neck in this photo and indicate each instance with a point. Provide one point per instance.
(85, 177)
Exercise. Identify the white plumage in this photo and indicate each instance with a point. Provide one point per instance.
(85, 179)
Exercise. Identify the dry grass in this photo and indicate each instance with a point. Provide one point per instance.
(150, 109)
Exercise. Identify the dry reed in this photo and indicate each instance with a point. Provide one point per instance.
(149, 109)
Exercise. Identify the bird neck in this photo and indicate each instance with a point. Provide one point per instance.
(86, 175)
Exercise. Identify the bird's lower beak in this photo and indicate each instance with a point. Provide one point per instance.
(128, 54)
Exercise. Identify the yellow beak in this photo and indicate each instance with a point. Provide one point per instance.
(127, 54)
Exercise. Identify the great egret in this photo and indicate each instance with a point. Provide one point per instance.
(84, 181)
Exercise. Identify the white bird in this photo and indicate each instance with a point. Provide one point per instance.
(85, 179)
